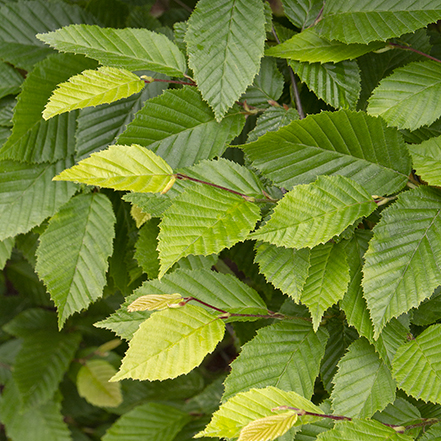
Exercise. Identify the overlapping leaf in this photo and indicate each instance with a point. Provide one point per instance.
(76, 278)
(346, 143)
(10, 80)
(403, 260)
(225, 42)
(5, 250)
(302, 14)
(268, 428)
(427, 160)
(131, 49)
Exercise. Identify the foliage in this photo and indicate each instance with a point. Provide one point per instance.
(220, 220)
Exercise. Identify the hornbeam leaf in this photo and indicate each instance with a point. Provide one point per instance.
(426, 160)
(92, 88)
(10, 80)
(122, 167)
(417, 365)
(223, 219)
(372, 389)
(346, 143)
(170, 343)
(309, 46)
(225, 42)
(312, 214)
(403, 262)
(303, 13)
(5, 250)
(432, 434)
(131, 49)
(76, 278)
(153, 302)
(407, 98)
(363, 21)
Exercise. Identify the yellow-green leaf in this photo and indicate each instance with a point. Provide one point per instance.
(154, 301)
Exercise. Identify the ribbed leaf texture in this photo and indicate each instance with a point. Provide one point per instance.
(351, 144)
(223, 220)
(407, 98)
(327, 281)
(131, 49)
(426, 160)
(149, 422)
(92, 88)
(93, 384)
(153, 302)
(417, 365)
(10, 80)
(285, 354)
(310, 47)
(245, 407)
(122, 167)
(225, 42)
(371, 390)
(336, 84)
(403, 261)
(170, 343)
(84, 226)
(5, 251)
(20, 21)
(180, 127)
(312, 214)
(28, 196)
(363, 21)
(303, 13)
(432, 434)
(400, 412)
(146, 253)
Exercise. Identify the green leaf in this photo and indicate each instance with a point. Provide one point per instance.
(346, 143)
(403, 260)
(76, 278)
(400, 412)
(225, 42)
(92, 88)
(363, 21)
(312, 214)
(28, 195)
(327, 281)
(5, 250)
(407, 98)
(131, 49)
(180, 127)
(93, 384)
(285, 354)
(223, 220)
(149, 422)
(432, 434)
(417, 366)
(248, 406)
(28, 322)
(429, 311)
(303, 13)
(122, 167)
(336, 84)
(311, 47)
(145, 249)
(372, 389)
(309, 432)
(170, 343)
(426, 160)
(10, 80)
(153, 302)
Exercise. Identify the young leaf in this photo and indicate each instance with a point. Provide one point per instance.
(154, 302)
(403, 260)
(312, 214)
(131, 49)
(426, 160)
(170, 343)
(76, 278)
(92, 88)
(10, 80)
(225, 42)
(122, 167)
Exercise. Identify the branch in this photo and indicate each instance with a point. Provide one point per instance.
(409, 48)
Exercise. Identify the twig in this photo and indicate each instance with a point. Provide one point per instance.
(409, 48)
(148, 80)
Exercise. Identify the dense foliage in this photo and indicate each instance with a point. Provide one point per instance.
(186, 184)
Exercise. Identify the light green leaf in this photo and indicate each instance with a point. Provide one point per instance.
(92, 88)
(363, 21)
(285, 354)
(248, 406)
(170, 343)
(93, 384)
(131, 49)
(346, 143)
(427, 160)
(223, 220)
(225, 42)
(5, 250)
(403, 261)
(336, 84)
(327, 281)
(152, 302)
(122, 167)
(180, 127)
(311, 47)
(28, 195)
(407, 98)
(312, 214)
(149, 422)
(309, 432)
(76, 278)
(302, 13)
(417, 365)
(10, 80)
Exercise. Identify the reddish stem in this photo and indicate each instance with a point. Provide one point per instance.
(408, 48)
